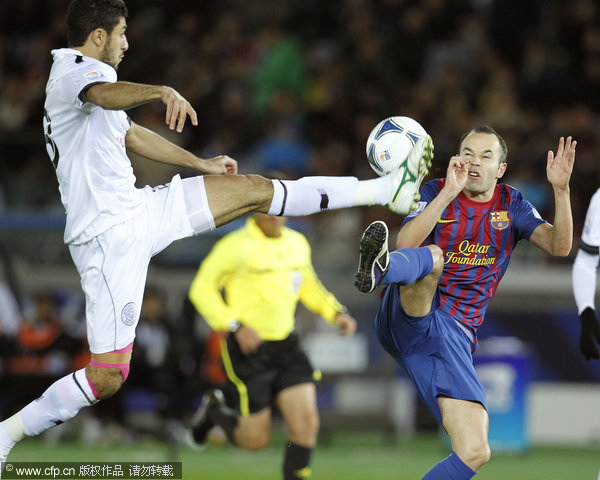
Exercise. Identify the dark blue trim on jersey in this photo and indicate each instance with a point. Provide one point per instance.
(86, 88)
(589, 248)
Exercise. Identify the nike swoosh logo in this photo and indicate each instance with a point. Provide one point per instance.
(441, 220)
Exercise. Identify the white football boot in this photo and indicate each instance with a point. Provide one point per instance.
(406, 180)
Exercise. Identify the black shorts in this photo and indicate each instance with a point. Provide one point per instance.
(255, 380)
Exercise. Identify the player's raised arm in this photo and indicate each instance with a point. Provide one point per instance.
(557, 239)
(125, 95)
(417, 230)
(152, 146)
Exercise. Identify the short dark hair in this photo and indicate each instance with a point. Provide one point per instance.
(84, 16)
(489, 130)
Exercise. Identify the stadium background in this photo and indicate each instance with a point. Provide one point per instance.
(296, 86)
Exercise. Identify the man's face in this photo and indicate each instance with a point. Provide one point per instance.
(115, 46)
(485, 152)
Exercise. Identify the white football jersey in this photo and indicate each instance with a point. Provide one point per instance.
(591, 229)
(86, 144)
(585, 266)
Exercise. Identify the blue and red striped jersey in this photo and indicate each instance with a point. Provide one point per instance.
(477, 239)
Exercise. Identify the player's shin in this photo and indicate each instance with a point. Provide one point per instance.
(59, 403)
(408, 265)
(452, 467)
(296, 462)
(315, 194)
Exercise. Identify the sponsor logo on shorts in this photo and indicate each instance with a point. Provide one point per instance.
(128, 314)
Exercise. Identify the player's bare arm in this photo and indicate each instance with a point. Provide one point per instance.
(126, 95)
(416, 231)
(152, 146)
(557, 239)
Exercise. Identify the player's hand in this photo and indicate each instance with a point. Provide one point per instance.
(178, 109)
(248, 340)
(560, 166)
(589, 337)
(219, 165)
(346, 324)
(457, 174)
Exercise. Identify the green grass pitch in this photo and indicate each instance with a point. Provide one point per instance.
(349, 456)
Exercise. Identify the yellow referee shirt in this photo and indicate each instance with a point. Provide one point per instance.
(258, 281)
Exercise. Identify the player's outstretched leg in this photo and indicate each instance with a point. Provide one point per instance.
(409, 175)
(374, 257)
(60, 402)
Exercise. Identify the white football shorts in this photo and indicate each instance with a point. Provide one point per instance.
(113, 266)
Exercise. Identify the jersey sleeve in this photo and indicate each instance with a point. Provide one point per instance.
(205, 290)
(86, 74)
(524, 215)
(315, 296)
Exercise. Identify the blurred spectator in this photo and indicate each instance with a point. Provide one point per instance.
(10, 297)
(297, 86)
(42, 353)
(10, 319)
(161, 351)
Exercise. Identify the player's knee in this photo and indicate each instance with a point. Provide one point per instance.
(305, 427)
(482, 455)
(258, 186)
(438, 258)
(105, 381)
(257, 439)
(476, 454)
(259, 191)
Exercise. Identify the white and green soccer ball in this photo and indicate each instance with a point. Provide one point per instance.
(391, 141)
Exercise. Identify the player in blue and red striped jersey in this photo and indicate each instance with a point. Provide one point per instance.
(452, 252)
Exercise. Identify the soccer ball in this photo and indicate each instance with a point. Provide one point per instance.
(391, 141)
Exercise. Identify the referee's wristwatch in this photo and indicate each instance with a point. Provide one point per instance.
(234, 326)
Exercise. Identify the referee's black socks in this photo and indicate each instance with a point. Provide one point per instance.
(296, 462)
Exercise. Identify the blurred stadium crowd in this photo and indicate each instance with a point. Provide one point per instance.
(297, 85)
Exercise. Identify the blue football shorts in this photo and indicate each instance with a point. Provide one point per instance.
(433, 351)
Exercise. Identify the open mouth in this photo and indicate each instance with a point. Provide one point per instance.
(473, 174)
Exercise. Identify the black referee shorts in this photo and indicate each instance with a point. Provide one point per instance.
(255, 380)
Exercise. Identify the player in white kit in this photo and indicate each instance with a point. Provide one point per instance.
(113, 228)
(585, 269)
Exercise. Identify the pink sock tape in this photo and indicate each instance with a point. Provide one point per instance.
(126, 349)
(124, 367)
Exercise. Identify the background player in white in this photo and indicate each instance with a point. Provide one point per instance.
(113, 228)
(585, 268)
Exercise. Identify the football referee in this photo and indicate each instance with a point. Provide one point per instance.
(249, 285)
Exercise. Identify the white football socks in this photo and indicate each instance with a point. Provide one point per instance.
(307, 195)
(59, 403)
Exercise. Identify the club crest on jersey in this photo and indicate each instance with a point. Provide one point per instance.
(92, 75)
(499, 220)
